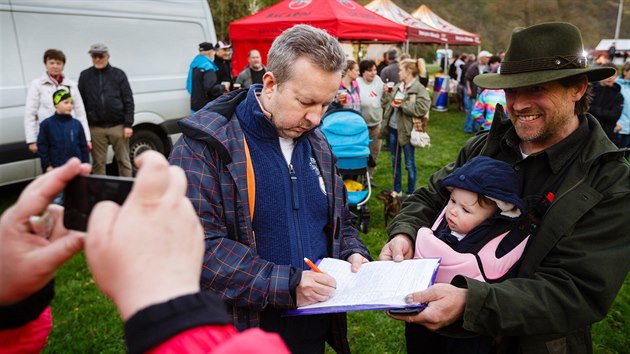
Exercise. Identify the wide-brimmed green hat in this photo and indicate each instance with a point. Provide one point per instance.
(542, 53)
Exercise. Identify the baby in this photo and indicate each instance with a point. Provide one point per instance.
(476, 234)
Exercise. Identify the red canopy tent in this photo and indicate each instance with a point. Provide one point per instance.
(455, 35)
(417, 31)
(343, 19)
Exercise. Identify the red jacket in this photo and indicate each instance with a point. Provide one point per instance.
(220, 339)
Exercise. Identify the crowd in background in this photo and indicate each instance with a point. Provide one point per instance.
(248, 126)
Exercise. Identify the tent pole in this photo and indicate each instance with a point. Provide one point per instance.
(446, 59)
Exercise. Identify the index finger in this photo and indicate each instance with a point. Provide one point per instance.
(325, 279)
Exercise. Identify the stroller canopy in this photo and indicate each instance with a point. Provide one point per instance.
(347, 133)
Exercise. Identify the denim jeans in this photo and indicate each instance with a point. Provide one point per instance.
(410, 162)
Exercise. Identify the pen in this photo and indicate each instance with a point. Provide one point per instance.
(312, 265)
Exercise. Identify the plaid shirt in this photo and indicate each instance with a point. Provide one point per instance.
(212, 155)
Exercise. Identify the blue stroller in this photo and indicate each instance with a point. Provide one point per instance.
(349, 138)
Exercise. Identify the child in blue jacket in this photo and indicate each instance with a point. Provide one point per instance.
(61, 136)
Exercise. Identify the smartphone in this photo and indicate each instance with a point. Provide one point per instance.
(83, 192)
(406, 311)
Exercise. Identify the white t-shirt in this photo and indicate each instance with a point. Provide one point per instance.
(371, 94)
(287, 145)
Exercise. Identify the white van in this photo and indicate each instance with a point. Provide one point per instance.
(152, 41)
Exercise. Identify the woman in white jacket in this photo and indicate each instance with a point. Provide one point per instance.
(39, 103)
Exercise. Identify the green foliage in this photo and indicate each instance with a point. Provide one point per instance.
(612, 334)
(85, 321)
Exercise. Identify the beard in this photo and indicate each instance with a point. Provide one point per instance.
(551, 125)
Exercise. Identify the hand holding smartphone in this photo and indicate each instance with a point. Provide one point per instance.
(83, 192)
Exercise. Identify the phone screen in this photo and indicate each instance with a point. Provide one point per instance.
(83, 192)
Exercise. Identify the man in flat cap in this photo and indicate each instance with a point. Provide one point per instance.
(110, 108)
(202, 82)
(576, 185)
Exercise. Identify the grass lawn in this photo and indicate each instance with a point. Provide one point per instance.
(86, 322)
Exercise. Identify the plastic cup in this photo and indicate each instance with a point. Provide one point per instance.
(343, 96)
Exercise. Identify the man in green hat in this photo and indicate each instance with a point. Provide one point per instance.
(576, 185)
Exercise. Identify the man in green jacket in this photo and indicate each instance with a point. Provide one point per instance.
(576, 185)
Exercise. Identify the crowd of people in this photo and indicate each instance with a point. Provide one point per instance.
(529, 219)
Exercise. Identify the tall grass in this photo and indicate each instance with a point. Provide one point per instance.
(87, 322)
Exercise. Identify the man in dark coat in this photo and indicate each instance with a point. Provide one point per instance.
(607, 103)
(202, 82)
(576, 188)
(223, 59)
(110, 108)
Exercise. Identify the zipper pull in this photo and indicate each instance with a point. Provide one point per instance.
(294, 188)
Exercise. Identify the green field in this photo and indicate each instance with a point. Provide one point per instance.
(86, 322)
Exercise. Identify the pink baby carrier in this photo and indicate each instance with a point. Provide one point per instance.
(484, 265)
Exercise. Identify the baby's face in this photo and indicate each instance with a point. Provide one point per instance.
(464, 213)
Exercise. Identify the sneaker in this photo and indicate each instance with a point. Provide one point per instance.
(397, 194)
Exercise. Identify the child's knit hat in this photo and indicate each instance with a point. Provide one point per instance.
(61, 95)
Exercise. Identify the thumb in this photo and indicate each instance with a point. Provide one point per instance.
(397, 252)
(152, 180)
(58, 252)
(424, 296)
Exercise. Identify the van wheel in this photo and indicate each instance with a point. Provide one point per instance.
(142, 141)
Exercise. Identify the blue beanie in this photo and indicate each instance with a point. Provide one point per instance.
(491, 178)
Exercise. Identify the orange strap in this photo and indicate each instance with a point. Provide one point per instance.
(251, 181)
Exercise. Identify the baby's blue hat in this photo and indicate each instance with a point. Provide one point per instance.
(492, 178)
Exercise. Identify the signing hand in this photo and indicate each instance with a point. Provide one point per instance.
(29, 254)
(314, 287)
(446, 305)
(397, 249)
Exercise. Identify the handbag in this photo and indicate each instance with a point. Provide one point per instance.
(420, 139)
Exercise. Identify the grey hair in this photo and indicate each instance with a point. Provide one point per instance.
(303, 41)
